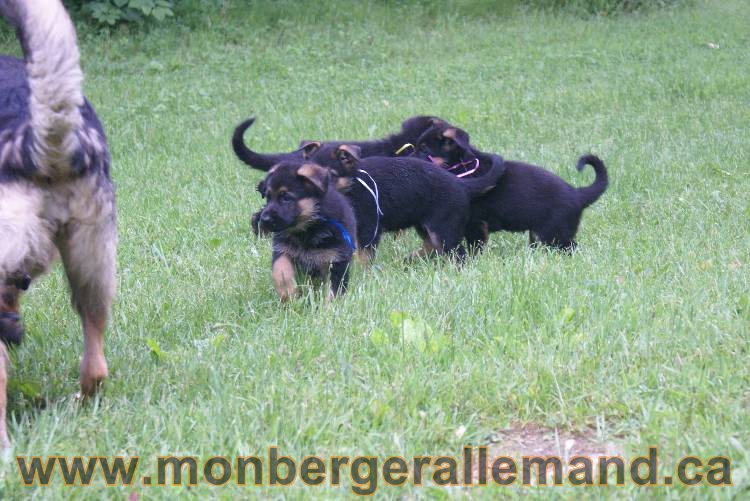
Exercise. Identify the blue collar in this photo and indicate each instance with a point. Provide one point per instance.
(345, 234)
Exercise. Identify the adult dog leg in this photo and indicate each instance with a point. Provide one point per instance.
(25, 246)
(89, 255)
(4, 362)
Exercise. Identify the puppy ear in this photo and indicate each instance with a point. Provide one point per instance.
(318, 176)
(309, 148)
(457, 136)
(348, 156)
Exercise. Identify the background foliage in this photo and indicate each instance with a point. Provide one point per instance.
(113, 12)
(602, 7)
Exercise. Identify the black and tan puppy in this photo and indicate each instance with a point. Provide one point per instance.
(56, 196)
(319, 152)
(527, 197)
(313, 226)
(391, 194)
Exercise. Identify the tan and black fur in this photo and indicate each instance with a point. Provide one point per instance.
(313, 227)
(56, 196)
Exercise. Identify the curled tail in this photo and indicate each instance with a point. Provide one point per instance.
(478, 186)
(255, 160)
(589, 194)
(54, 76)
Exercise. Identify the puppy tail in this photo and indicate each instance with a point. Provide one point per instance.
(255, 160)
(589, 194)
(478, 186)
(50, 49)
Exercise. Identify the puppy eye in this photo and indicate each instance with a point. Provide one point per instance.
(286, 197)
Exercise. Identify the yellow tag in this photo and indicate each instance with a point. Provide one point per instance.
(401, 150)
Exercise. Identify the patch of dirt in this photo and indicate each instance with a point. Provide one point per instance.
(534, 440)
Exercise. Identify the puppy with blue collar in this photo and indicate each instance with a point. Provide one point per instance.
(313, 227)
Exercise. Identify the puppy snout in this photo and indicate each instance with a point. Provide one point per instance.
(266, 218)
(268, 221)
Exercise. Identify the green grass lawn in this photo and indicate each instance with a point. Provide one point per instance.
(643, 334)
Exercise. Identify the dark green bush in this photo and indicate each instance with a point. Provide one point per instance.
(601, 7)
(111, 12)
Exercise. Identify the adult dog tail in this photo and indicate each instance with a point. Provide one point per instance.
(48, 39)
(255, 160)
(589, 194)
(478, 186)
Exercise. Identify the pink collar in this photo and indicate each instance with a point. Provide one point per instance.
(464, 165)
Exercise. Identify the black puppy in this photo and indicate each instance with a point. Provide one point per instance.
(527, 197)
(392, 145)
(312, 225)
(391, 194)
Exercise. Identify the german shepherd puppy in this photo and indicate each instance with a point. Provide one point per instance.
(56, 196)
(527, 197)
(392, 145)
(392, 194)
(313, 226)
